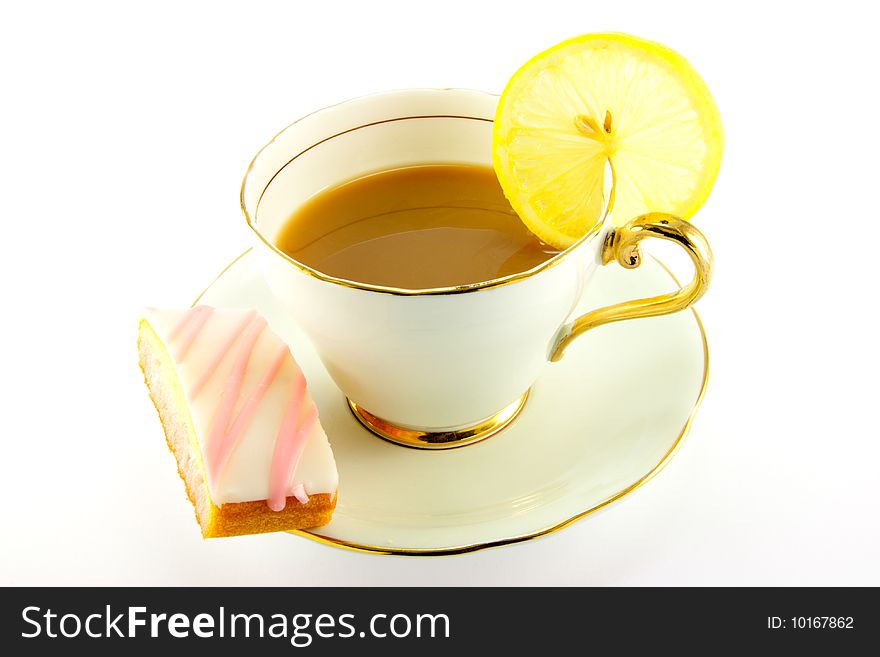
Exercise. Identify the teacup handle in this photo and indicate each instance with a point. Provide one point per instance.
(622, 245)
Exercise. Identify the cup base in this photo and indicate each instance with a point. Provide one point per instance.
(434, 440)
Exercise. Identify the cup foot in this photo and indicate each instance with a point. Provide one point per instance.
(449, 439)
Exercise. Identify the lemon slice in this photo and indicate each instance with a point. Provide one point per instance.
(601, 97)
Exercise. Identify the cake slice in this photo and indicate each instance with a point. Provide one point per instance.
(239, 420)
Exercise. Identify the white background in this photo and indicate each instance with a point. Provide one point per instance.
(125, 133)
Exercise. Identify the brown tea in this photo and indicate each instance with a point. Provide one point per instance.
(433, 225)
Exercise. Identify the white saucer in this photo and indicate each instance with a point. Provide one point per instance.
(598, 424)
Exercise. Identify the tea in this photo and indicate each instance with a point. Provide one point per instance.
(433, 225)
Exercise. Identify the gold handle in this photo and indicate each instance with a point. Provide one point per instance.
(622, 245)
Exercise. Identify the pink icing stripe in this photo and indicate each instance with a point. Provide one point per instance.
(289, 443)
(202, 314)
(218, 445)
(249, 408)
(299, 492)
(182, 322)
(281, 474)
(221, 354)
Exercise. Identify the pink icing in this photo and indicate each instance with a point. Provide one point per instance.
(290, 443)
(221, 354)
(298, 420)
(299, 492)
(249, 408)
(200, 314)
(181, 324)
(219, 446)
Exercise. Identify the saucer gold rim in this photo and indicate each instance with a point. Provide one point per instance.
(520, 538)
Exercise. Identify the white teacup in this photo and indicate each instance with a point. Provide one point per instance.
(439, 367)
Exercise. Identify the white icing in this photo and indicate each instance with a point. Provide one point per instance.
(246, 476)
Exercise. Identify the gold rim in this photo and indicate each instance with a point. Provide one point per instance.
(474, 547)
(439, 440)
(221, 275)
(384, 289)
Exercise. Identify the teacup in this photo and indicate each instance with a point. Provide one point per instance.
(441, 367)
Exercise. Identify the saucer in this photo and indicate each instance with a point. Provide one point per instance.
(597, 425)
